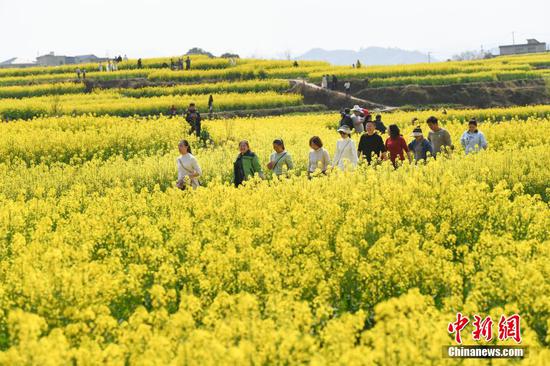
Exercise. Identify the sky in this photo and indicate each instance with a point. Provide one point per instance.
(264, 28)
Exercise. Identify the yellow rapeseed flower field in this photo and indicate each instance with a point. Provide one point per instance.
(104, 261)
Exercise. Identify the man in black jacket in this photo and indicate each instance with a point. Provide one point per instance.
(193, 117)
(371, 143)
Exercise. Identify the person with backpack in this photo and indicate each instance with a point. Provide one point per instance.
(319, 157)
(189, 169)
(246, 165)
(370, 144)
(193, 117)
(473, 140)
(397, 146)
(420, 147)
(345, 149)
(346, 119)
(279, 158)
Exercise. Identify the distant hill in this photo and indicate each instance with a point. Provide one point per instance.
(367, 56)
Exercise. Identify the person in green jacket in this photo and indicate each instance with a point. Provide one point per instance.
(246, 165)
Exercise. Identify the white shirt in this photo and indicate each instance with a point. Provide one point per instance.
(187, 165)
(318, 159)
(345, 151)
(358, 123)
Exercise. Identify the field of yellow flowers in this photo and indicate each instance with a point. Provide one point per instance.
(103, 261)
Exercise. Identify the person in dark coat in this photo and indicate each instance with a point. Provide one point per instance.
(346, 119)
(187, 63)
(379, 124)
(193, 117)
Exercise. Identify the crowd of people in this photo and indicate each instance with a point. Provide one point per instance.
(371, 148)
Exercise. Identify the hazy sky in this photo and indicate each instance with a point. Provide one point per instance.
(263, 28)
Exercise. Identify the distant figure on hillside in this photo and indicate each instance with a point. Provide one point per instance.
(173, 112)
(379, 124)
(100, 67)
(246, 165)
(108, 66)
(347, 88)
(172, 64)
(358, 64)
(324, 82)
(279, 158)
(125, 57)
(295, 63)
(334, 82)
(420, 147)
(139, 64)
(473, 140)
(189, 169)
(78, 73)
(83, 73)
(187, 63)
(193, 117)
(439, 137)
(210, 104)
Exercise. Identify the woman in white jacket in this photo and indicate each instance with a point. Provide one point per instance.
(189, 170)
(345, 149)
(473, 140)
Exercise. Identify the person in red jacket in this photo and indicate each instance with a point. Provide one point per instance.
(396, 145)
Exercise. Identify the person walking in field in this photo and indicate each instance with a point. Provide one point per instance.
(358, 119)
(279, 158)
(83, 73)
(345, 149)
(439, 137)
(396, 146)
(319, 158)
(210, 104)
(193, 117)
(346, 119)
(420, 147)
(189, 169)
(379, 124)
(173, 112)
(370, 144)
(139, 63)
(246, 165)
(78, 73)
(473, 140)
(187, 63)
(100, 67)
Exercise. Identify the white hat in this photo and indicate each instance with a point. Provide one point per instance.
(356, 108)
(345, 129)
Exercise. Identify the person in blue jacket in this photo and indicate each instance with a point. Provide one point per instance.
(420, 146)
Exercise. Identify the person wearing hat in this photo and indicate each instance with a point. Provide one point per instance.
(279, 158)
(358, 119)
(420, 146)
(345, 149)
(473, 140)
(438, 136)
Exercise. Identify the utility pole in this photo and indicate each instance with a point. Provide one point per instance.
(513, 38)
(429, 57)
